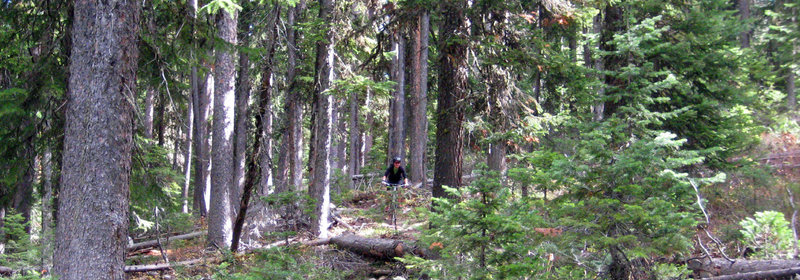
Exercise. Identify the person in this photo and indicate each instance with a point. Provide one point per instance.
(395, 173)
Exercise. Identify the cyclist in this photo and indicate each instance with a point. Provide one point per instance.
(395, 173)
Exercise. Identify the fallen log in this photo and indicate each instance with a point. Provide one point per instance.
(166, 266)
(705, 268)
(768, 274)
(5, 271)
(153, 243)
(378, 248)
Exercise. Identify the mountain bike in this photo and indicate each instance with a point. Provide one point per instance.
(393, 204)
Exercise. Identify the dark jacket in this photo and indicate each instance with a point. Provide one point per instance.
(395, 177)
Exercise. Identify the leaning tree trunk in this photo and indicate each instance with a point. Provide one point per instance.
(418, 134)
(398, 103)
(98, 137)
(320, 185)
(240, 130)
(452, 90)
(219, 212)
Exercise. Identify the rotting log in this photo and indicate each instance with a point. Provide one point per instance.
(768, 274)
(378, 248)
(153, 243)
(705, 268)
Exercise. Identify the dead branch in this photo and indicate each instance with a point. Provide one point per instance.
(153, 243)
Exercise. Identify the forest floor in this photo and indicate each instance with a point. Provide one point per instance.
(366, 213)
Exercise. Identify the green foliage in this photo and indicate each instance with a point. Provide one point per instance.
(665, 271)
(214, 6)
(153, 183)
(769, 233)
(20, 254)
(282, 262)
(480, 234)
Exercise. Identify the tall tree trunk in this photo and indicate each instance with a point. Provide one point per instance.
(599, 106)
(219, 212)
(418, 128)
(265, 103)
(262, 141)
(320, 186)
(452, 91)
(187, 157)
(744, 15)
(48, 234)
(366, 135)
(398, 102)
(341, 136)
(160, 119)
(202, 179)
(500, 99)
(612, 25)
(200, 109)
(790, 92)
(149, 102)
(355, 140)
(176, 145)
(294, 108)
(98, 138)
(23, 196)
(242, 119)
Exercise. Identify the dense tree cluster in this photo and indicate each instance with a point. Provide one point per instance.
(604, 119)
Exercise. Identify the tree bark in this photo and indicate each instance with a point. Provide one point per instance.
(219, 213)
(452, 91)
(418, 134)
(320, 186)
(398, 103)
(98, 138)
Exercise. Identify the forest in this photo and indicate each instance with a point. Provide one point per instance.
(399, 139)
